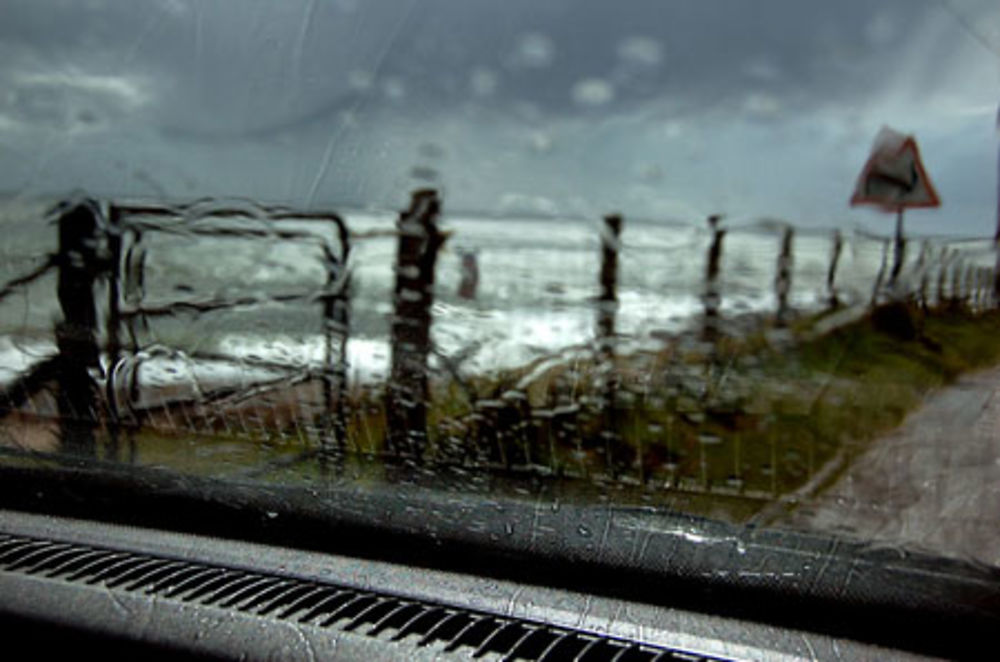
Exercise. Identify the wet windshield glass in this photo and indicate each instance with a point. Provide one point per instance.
(733, 260)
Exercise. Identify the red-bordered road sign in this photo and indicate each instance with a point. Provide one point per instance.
(894, 177)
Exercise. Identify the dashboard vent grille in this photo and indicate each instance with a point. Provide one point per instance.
(321, 604)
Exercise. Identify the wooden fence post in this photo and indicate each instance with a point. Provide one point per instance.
(783, 277)
(470, 276)
(113, 323)
(831, 275)
(712, 299)
(79, 267)
(973, 287)
(336, 321)
(984, 288)
(942, 275)
(987, 289)
(608, 299)
(419, 241)
(991, 295)
(607, 309)
(956, 282)
(996, 271)
(994, 287)
(977, 282)
(922, 261)
(881, 272)
(969, 286)
(133, 284)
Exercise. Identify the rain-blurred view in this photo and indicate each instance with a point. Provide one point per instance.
(734, 260)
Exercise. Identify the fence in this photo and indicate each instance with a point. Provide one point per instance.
(105, 254)
(108, 247)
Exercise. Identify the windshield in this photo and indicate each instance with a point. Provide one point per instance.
(734, 261)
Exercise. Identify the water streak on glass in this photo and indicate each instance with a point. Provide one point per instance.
(483, 249)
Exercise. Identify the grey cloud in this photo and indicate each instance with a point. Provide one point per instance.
(565, 106)
(250, 65)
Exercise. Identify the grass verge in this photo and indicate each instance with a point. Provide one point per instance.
(712, 429)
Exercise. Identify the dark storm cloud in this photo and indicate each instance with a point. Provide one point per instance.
(664, 107)
(230, 67)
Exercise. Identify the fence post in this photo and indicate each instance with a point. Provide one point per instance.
(994, 287)
(996, 270)
(470, 276)
(419, 241)
(974, 297)
(984, 288)
(79, 267)
(336, 321)
(956, 282)
(783, 278)
(981, 281)
(712, 299)
(925, 251)
(113, 323)
(942, 275)
(881, 272)
(969, 284)
(831, 275)
(990, 299)
(986, 291)
(607, 308)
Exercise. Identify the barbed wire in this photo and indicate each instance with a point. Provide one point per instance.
(28, 278)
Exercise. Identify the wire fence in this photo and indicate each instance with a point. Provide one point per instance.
(119, 375)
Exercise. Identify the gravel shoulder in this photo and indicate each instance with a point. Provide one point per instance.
(932, 484)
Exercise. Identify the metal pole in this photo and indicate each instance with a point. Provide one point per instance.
(899, 253)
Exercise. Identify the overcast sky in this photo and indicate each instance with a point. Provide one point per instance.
(659, 109)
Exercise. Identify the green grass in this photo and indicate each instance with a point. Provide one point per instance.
(715, 430)
(745, 419)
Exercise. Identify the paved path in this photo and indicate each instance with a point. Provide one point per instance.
(934, 483)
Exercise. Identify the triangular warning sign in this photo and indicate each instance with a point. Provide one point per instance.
(894, 177)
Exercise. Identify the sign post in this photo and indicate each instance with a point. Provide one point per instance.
(894, 179)
(996, 238)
